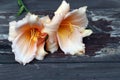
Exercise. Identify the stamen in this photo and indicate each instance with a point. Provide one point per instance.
(34, 34)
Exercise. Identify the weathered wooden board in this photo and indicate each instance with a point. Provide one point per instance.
(100, 62)
(60, 71)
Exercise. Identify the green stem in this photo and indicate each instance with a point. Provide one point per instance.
(22, 7)
(21, 1)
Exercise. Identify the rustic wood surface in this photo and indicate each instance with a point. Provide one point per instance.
(100, 62)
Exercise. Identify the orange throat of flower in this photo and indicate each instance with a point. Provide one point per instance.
(34, 33)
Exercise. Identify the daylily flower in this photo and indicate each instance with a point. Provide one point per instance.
(27, 39)
(67, 30)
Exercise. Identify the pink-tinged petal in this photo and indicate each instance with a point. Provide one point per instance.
(70, 42)
(24, 48)
(77, 17)
(51, 29)
(45, 19)
(63, 8)
(51, 43)
(40, 54)
(51, 26)
(12, 31)
(29, 18)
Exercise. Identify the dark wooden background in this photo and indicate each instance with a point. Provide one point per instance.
(102, 59)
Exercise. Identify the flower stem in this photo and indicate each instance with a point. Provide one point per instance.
(22, 7)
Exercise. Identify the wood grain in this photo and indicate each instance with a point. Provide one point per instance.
(60, 71)
(100, 62)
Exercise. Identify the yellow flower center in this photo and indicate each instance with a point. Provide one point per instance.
(34, 34)
(65, 29)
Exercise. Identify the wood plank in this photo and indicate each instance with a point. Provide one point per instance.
(60, 71)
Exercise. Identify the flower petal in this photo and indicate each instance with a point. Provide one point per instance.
(45, 19)
(12, 31)
(77, 17)
(52, 27)
(87, 32)
(71, 42)
(51, 43)
(29, 18)
(41, 52)
(24, 48)
(63, 8)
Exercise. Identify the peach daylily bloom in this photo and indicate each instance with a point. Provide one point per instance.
(69, 28)
(27, 39)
